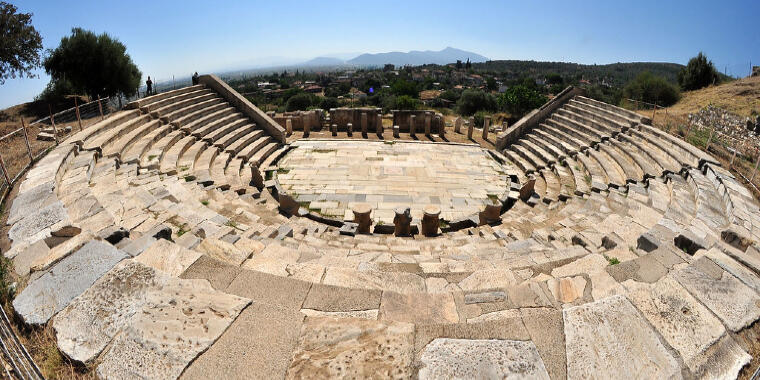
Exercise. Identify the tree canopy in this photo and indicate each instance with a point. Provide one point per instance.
(473, 101)
(652, 89)
(20, 44)
(699, 73)
(519, 100)
(299, 102)
(97, 65)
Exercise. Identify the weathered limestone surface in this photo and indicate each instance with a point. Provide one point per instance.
(30, 201)
(609, 337)
(353, 348)
(222, 250)
(734, 303)
(688, 327)
(36, 225)
(259, 343)
(479, 359)
(23, 261)
(158, 324)
(168, 257)
(546, 331)
(179, 316)
(418, 308)
(51, 292)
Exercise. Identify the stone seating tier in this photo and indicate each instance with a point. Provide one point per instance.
(576, 285)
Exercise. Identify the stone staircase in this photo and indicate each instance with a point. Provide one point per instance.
(642, 260)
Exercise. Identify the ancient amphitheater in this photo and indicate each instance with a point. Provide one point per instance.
(189, 236)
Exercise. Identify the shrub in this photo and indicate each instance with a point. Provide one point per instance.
(405, 102)
(473, 101)
(328, 102)
(698, 73)
(480, 117)
(298, 102)
(519, 100)
(652, 89)
(450, 95)
(402, 87)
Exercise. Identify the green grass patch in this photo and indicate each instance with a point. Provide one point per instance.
(389, 142)
(698, 137)
(181, 231)
(231, 223)
(6, 291)
(612, 260)
(283, 171)
(151, 157)
(204, 202)
(587, 178)
(189, 178)
(183, 168)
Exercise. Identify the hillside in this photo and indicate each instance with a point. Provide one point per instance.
(740, 97)
(615, 74)
(415, 57)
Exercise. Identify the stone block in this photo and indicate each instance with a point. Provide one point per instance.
(70, 277)
(445, 358)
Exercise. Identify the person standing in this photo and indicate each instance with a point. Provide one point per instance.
(149, 84)
(195, 78)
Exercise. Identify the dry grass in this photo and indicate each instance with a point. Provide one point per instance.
(741, 97)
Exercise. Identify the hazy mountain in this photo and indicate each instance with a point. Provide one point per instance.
(416, 57)
(324, 61)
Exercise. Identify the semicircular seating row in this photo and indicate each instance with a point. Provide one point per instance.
(182, 261)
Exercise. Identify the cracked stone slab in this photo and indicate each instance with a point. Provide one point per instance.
(353, 348)
(53, 290)
(152, 324)
(480, 359)
(689, 327)
(736, 304)
(30, 201)
(606, 338)
(36, 225)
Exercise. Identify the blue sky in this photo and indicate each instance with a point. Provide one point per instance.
(168, 38)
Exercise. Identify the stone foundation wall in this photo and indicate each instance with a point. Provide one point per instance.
(402, 119)
(243, 105)
(532, 119)
(342, 116)
(312, 118)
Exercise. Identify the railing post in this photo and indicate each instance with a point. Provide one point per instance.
(709, 139)
(79, 119)
(654, 110)
(5, 173)
(688, 130)
(52, 121)
(756, 165)
(733, 156)
(100, 108)
(26, 138)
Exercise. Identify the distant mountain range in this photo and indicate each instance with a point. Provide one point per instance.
(414, 57)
